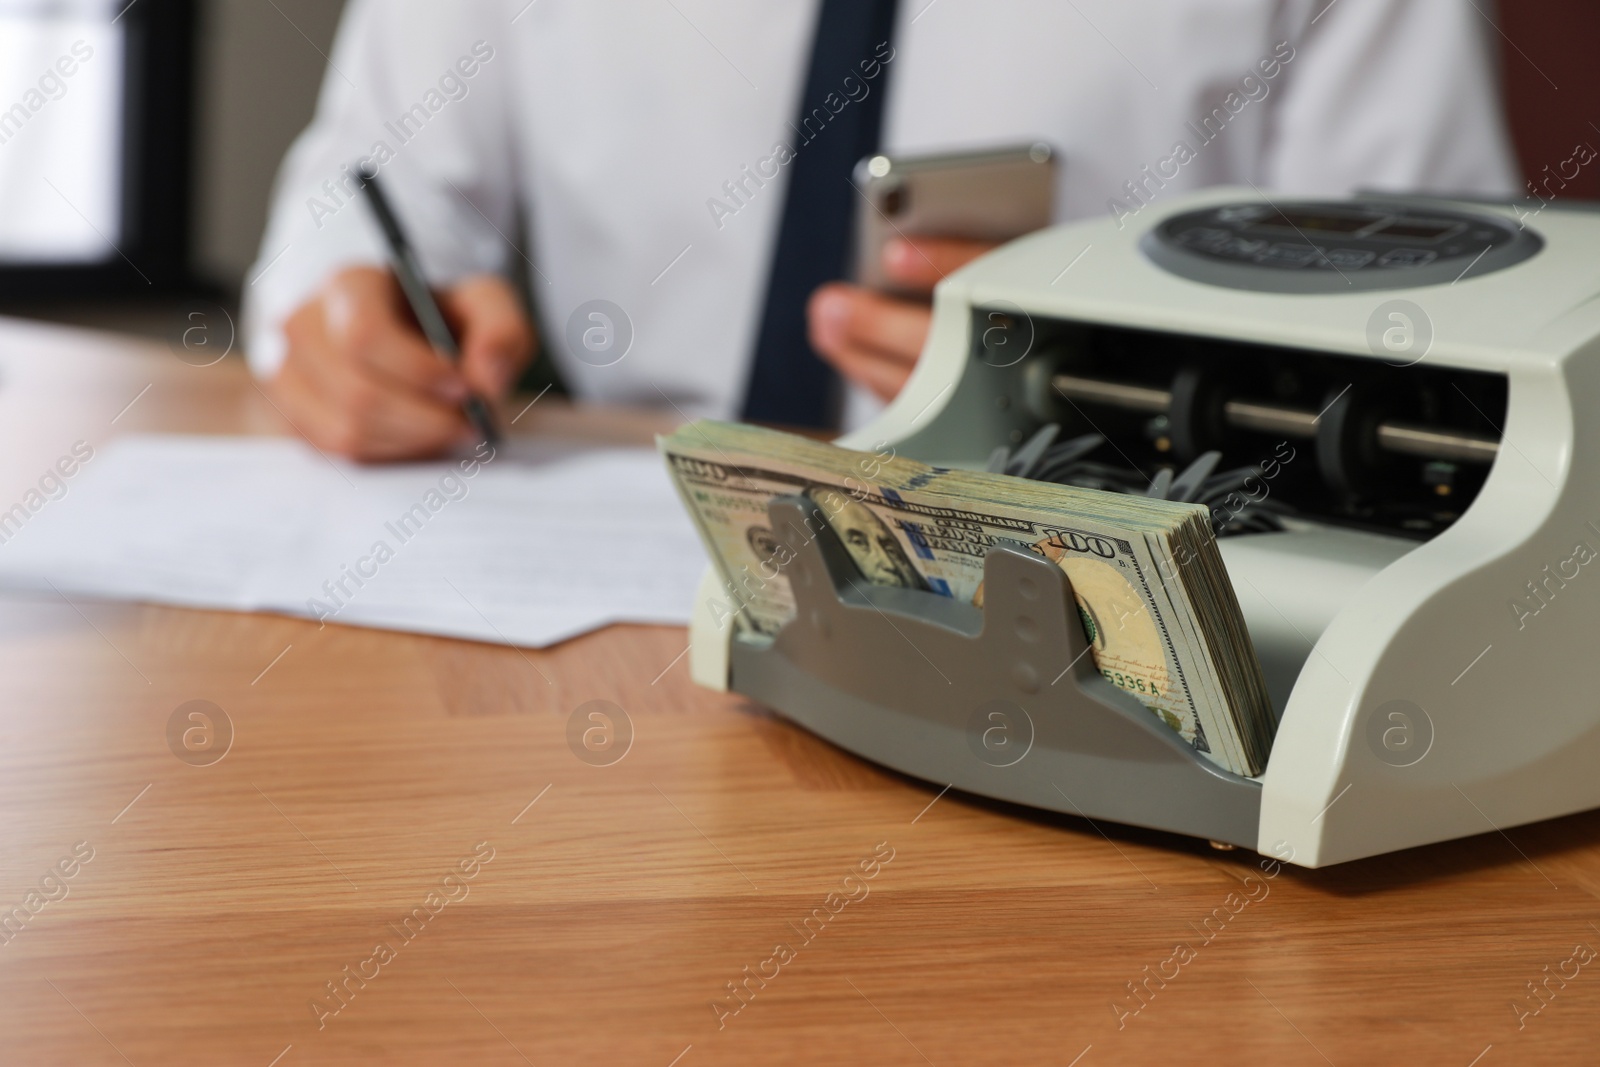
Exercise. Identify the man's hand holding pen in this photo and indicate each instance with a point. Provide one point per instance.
(361, 381)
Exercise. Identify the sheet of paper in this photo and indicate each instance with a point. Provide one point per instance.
(538, 544)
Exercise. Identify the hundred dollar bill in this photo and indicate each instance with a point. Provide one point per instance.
(907, 524)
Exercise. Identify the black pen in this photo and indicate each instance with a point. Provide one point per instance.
(420, 297)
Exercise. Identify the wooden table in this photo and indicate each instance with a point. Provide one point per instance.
(620, 901)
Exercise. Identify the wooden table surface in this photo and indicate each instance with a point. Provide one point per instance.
(608, 908)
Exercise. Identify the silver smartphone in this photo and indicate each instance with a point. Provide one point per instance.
(994, 195)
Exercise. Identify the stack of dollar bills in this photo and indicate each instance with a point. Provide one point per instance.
(1152, 591)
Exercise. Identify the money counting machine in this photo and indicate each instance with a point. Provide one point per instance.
(1416, 382)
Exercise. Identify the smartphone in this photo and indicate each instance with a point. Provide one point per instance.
(994, 195)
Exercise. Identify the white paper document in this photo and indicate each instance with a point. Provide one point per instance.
(537, 544)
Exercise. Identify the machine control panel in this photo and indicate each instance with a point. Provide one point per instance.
(1335, 247)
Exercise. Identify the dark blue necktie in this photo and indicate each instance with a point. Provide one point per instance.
(789, 383)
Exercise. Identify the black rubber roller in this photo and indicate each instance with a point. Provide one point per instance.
(1348, 455)
(1197, 421)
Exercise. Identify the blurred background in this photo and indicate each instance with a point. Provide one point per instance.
(162, 144)
(139, 141)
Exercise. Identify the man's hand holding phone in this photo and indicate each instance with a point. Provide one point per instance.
(873, 340)
(920, 218)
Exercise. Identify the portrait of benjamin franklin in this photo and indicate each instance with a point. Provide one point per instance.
(871, 544)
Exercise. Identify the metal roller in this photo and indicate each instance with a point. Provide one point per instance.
(1404, 438)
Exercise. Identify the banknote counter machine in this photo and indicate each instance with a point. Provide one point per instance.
(1416, 385)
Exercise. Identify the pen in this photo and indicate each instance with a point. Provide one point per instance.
(420, 297)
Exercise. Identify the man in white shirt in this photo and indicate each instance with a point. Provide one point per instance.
(639, 152)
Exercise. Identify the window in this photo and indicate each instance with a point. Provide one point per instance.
(94, 129)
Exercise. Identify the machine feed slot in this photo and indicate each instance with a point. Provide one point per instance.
(1002, 700)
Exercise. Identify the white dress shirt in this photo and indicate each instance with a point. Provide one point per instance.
(611, 129)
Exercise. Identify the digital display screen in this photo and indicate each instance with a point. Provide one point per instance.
(1417, 229)
(1365, 224)
(1309, 222)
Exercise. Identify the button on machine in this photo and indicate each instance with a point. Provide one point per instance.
(1407, 257)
